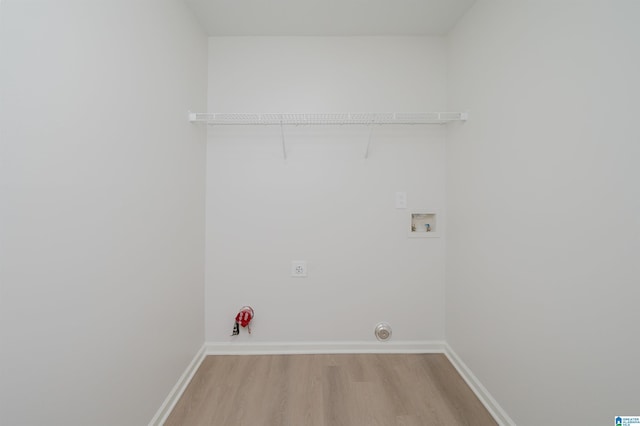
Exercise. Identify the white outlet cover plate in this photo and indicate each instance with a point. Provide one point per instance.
(401, 200)
(299, 268)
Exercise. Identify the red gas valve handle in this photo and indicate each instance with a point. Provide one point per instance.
(243, 318)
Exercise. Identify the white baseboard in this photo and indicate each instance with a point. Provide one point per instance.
(481, 392)
(260, 348)
(177, 391)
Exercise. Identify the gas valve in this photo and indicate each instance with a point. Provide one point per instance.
(243, 319)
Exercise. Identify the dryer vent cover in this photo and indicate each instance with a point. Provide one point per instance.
(383, 331)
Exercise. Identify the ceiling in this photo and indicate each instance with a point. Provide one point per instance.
(328, 17)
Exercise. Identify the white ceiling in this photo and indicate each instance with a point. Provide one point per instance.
(328, 17)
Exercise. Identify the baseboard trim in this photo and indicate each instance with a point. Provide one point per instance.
(259, 348)
(171, 400)
(481, 392)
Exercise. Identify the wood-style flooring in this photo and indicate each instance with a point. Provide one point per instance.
(328, 390)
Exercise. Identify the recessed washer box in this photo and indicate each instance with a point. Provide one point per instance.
(423, 224)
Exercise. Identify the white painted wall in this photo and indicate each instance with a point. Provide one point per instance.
(543, 233)
(325, 203)
(102, 208)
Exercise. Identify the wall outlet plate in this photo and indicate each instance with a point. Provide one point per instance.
(299, 268)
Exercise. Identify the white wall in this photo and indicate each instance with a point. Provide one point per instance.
(542, 201)
(102, 208)
(325, 203)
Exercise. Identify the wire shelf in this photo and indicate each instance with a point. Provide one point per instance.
(327, 118)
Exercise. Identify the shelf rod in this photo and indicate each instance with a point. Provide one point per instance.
(327, 118)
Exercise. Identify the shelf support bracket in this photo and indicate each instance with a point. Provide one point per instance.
(366, 153)
(284, 146)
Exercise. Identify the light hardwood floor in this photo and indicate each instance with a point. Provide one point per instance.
(328, 390)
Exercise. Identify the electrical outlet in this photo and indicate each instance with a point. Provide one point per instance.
(401, 200)
(299, 268)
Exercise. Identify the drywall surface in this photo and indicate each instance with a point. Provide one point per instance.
(542, 201)
(325, 203)
(102, 208)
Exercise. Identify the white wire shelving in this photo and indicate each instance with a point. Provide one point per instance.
(363, 118)
(327, 118)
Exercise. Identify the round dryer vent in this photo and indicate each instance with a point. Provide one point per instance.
(383, 331)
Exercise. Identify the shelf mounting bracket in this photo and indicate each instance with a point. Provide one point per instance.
(284, 146)
(366, 153)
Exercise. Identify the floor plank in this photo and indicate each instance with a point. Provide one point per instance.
(328, 390)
